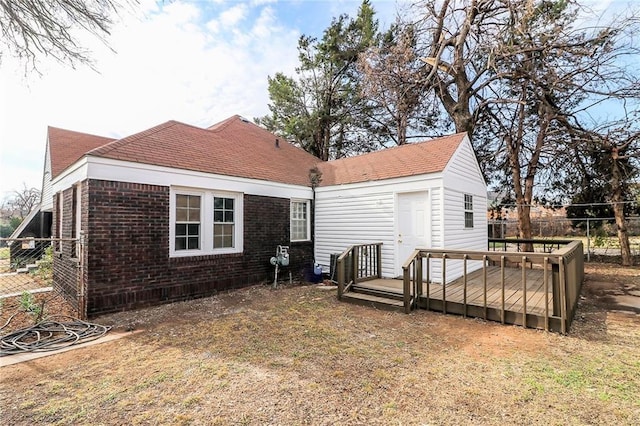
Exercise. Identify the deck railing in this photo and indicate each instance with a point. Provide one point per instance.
(358, 263)
(563, 273)
(539, 245)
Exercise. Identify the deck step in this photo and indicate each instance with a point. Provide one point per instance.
(371, 291)
(378, 302)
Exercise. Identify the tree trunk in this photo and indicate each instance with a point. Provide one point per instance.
(623, 235)
(618, 210)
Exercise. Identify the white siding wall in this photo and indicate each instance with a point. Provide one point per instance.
(366, 213)
(342, 220)
(462, 176)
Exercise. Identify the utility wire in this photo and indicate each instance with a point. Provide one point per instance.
(555, 206)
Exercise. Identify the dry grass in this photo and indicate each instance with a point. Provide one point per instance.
(297, 356)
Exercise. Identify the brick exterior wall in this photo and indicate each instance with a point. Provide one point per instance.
(66, 257)
(126, 250)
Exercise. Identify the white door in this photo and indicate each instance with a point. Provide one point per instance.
(412, 225)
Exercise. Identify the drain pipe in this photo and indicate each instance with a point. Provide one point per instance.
(315, 177)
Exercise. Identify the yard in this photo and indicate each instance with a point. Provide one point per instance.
(295, 355)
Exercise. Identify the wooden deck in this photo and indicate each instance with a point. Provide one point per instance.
(514, 310)
(532, 289)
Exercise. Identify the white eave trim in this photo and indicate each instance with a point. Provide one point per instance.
(382, 182)
(125, 171)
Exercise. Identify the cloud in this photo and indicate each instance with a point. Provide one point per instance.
(234, 15)
(171, 63)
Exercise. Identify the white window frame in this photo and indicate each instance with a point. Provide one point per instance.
(468, 208)
(206, 222)
(307, 204)
(224, 197)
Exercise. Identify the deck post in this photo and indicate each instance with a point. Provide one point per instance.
(379, 260)
(428, 281)
(524, 291)
(444, 283)
(464, 283)
(406, 286)
(555, 288)
(502, 277)
(418, 278)
(484, 284)
(340, 266)
(545, 280)
(355, 253)
(563, 296)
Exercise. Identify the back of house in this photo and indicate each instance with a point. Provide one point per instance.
(178, 211)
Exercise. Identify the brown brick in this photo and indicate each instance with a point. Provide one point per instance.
(127, 264)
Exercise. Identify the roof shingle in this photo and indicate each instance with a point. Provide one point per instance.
(407, 160)
(237, 147)
(66, 147)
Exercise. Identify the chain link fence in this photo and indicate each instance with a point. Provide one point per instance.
(599, 236)
(27, 287)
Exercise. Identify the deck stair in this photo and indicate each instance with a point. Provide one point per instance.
(374, 297)
(28, 268)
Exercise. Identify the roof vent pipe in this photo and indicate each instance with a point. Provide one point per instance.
(277, 143)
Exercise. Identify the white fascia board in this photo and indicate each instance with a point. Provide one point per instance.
(77, 172)
(124, 171)
(401, 184)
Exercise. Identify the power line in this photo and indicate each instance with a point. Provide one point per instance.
(557, 206)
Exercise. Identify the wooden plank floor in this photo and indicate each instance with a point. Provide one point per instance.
(513, 293)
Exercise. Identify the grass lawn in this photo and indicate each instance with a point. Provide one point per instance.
(295, 355)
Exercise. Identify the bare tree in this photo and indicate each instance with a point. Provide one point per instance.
(392, 74)
(611, 155)
(35, 28)
(455, 37)
(519, 75)
(20, 203)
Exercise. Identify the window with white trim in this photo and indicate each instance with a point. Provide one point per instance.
(468, 211)
(187, 225)
(223, 223)
(204, 222)
(300, 225)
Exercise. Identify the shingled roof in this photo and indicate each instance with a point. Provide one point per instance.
(237, 147)
(66, 147)
(407, 160)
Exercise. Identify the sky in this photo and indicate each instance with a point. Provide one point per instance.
(195, 61)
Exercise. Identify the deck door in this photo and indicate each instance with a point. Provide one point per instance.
(412, 225)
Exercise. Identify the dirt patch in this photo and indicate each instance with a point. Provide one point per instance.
(613, 288)
(16, 314)
(296, 355)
